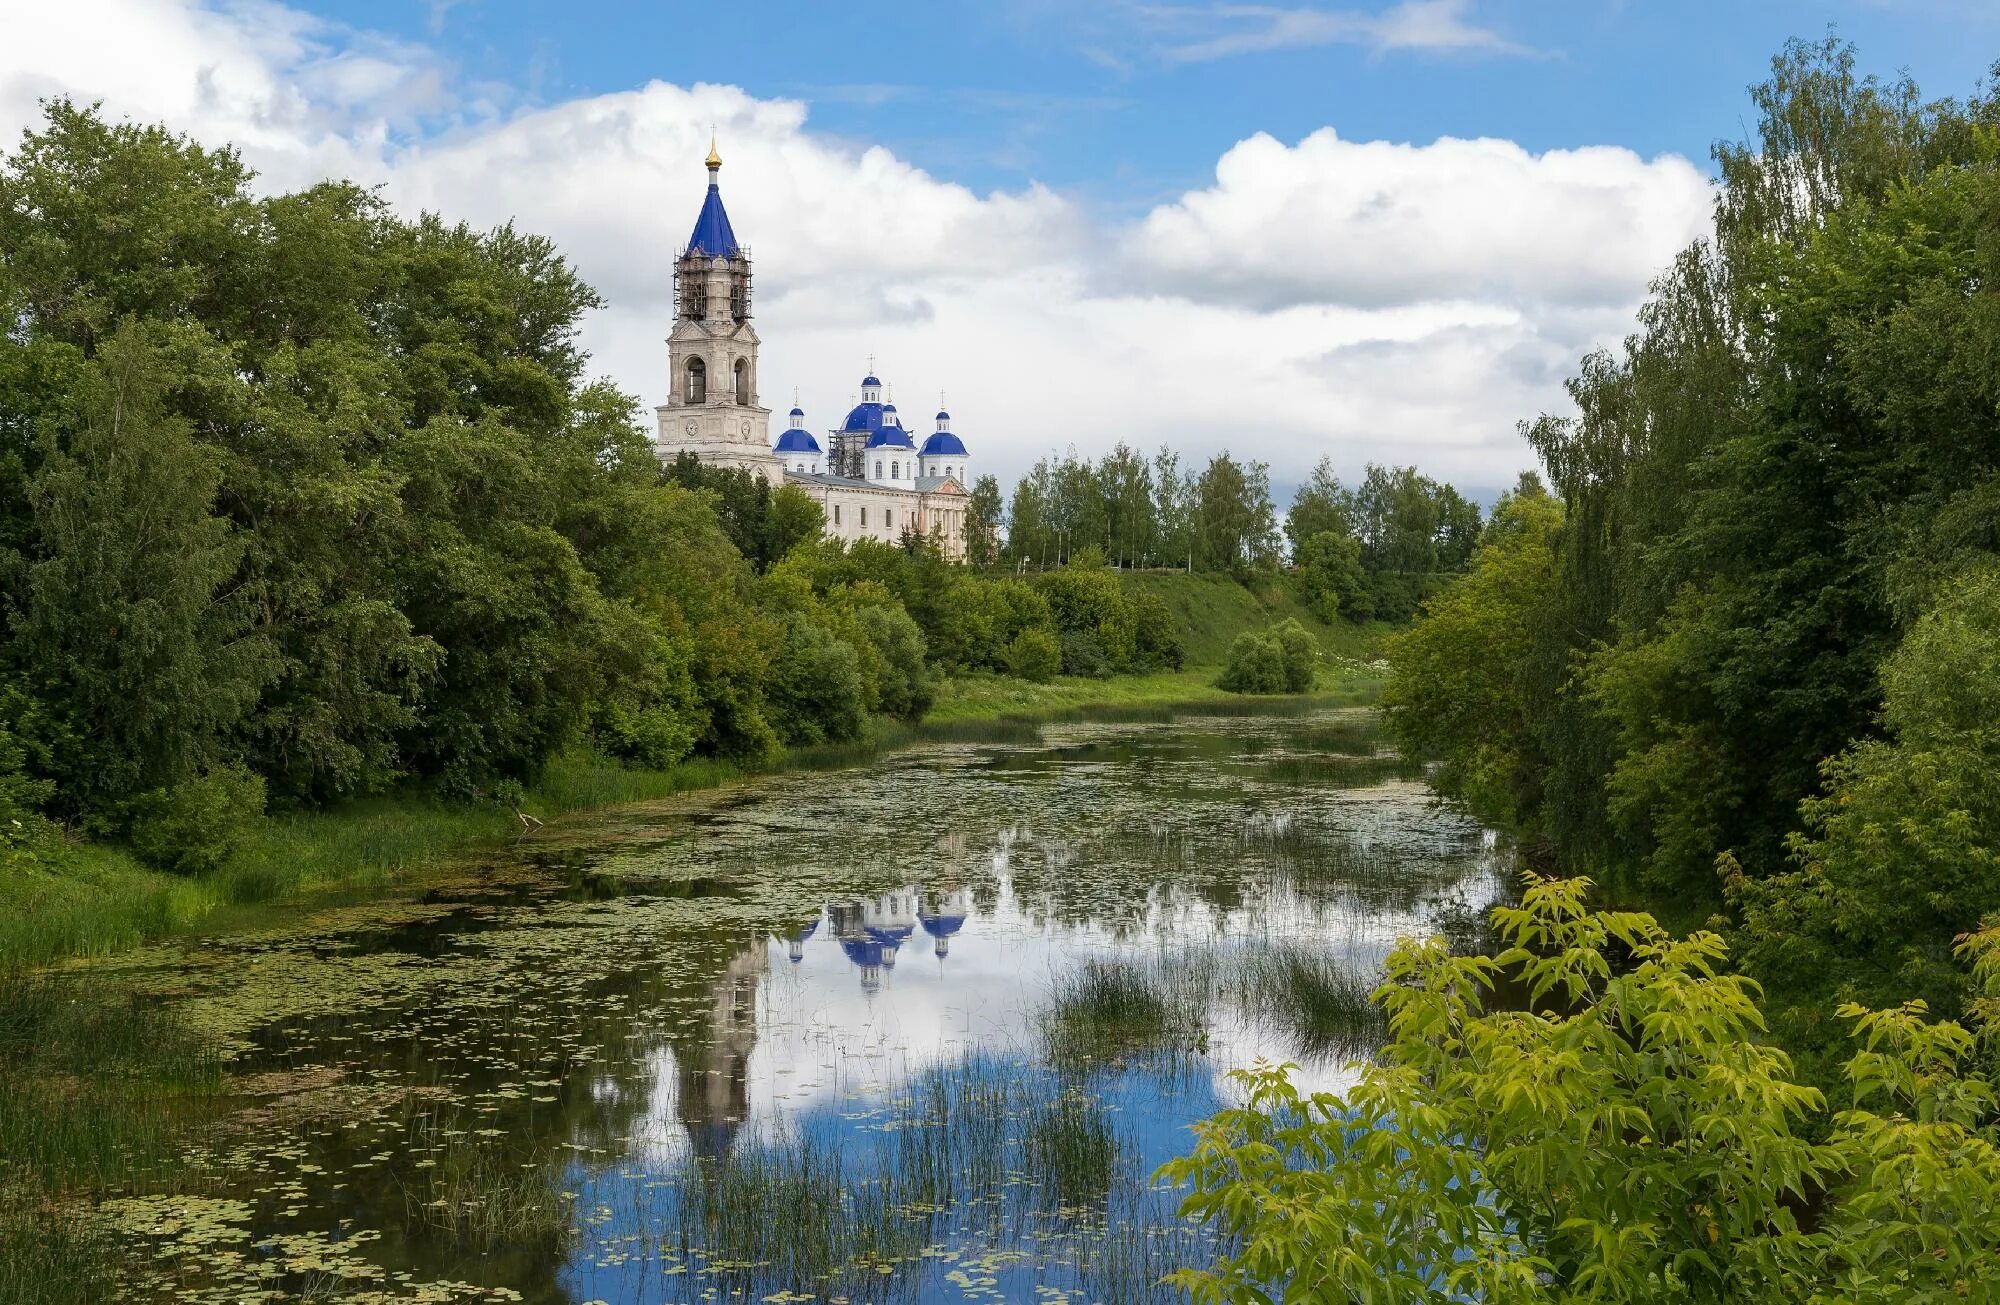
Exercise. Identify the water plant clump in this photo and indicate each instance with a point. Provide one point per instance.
(1107, 1011)
(98, 1087)
(1321, 999)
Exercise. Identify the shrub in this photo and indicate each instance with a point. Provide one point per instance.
(981, 619)
(1083, 655)
(904, 684)
(1299, 652)
(1156, 634)
(815, 693)
(1256, 664)
(1631, 1136)
(1034, 655)
(196, 825)
(1091, 601)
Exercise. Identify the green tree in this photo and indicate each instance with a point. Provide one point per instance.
(983, 523)
(1631, 1136)
(128, 623)
(1235, 523)
(1456, 694)
(815, 690)
(1319, 507)
(1331, 577)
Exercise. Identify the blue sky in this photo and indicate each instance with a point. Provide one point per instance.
(1377, 230)
(1119, 102)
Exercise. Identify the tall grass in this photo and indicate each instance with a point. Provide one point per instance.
(1107, 1011)
(481, 1194)
(97, 1087)
(1321, 1000)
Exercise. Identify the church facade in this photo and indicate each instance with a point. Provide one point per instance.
(872, 480)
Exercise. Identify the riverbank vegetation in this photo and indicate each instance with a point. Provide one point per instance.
(1633, 1138)
(1746, 655)
(1742, 657)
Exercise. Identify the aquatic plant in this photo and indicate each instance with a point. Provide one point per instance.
(96, 1086)
(1110, 1010)
(1313, 994)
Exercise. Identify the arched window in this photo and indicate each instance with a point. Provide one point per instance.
(743, 381)
(836, 514)
(895, 471)
(697, 381)
(878, 468)
(864, 518)
(888, 518)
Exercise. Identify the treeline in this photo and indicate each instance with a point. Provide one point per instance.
(1375, 550)
(300, 500)
(1748, 657)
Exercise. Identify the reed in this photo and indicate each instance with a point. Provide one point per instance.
(1320, 999)
(1109, 1011)
(97, 1088)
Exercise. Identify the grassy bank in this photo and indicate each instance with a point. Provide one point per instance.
(91, 899)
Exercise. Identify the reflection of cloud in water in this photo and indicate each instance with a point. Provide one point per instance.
(712, 975)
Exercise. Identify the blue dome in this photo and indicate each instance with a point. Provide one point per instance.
(942, 926)
(943, 415)
(871, 380)
(864, 416)
(797, 412)
(862, 951)
(891, 437)
(796, 441)
(944, 444)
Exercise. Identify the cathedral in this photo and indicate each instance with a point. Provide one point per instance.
(871, 480)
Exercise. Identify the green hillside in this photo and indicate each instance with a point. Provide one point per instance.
(1214, 609)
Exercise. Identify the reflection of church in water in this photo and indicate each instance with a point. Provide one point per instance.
(713, 1074)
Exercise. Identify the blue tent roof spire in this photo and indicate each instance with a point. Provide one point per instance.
(712, 234)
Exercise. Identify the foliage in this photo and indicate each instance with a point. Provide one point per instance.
(1632, 1137)
(193, 826)
(1283, 659)
(984, 512)
(1456, 694)
(1083, 655)
(1157, 641)
(1137, 512)
(1089, 606)
(1034, 655)
(1256, 664)
(1330, 572)
(1777, 499)
(815, 691)
(907, 686)
(1896, 859)
(300, 497)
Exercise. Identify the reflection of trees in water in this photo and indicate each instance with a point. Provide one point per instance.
(597, 1010)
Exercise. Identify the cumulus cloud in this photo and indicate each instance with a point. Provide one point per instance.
(1361, 299)
(1374, 222)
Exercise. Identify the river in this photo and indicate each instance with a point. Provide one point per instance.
(919, 1029)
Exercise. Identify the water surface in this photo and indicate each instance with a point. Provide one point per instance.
(847, 1035)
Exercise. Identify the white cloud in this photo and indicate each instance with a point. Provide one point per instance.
(1380, 223)
(1365, 300)
(1220, 31)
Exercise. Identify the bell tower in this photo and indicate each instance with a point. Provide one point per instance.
(711, 409)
